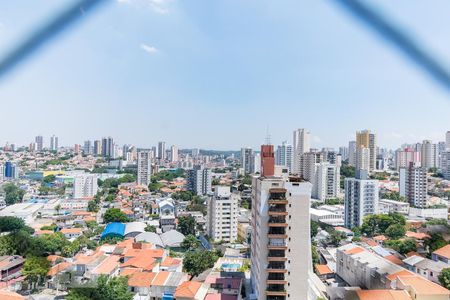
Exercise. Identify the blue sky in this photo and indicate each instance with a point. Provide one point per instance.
(215, 74)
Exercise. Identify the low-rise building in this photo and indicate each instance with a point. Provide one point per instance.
(386, 206)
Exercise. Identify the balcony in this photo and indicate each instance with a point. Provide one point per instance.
(276, 290)
(276, 255)
(277, 233)
(277, 221)
(276, 278)
(276, 267)
(274, 245)
(277, 210)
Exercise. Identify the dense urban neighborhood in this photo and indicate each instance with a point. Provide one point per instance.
(102, 221)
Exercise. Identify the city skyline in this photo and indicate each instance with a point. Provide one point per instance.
(154, 60)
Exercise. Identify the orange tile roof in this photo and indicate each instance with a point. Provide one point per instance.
(444, 251)
(417, 235)
(323, 270)
(380, 238)
(161, 278)
(129, 271)
(83, 259)
(141, 279)
(7, 295)
(170, 261)
(412, 253)
(58, 268)
(382, 294)
(394, 276)
(54, 258)
(140, 261)
(71, 230)
(423, 286)
(108, 265)
(187, 289)
(81, 213)
(394, 259)
(354, 250)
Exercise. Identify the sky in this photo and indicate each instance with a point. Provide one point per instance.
(221, 74)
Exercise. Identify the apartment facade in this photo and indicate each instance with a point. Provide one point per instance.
(222, 221)
(144, 168)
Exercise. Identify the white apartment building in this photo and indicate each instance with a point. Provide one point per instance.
(222, 220)
(429, 157)
(362, 158)
(386, 206)
(405, 156)
(85, 186)
(174, 154)
(281, 246)
(308, 162)
(285, 156)
(445, 164)
(447, 140)
(352, 153)
(301, 145)
(144, 168)
(361, 199)
(413, 182)
(326, 182)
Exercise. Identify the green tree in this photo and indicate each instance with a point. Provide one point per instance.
(378, 224)
(395, 231)
(435, 242)
(314, 228)
(92, 206)
(114, 215)
(444, 278)
(50, 243)
(35, 269)
(196, 262)
(105, 289)
(49, 178)
(402, 246)
(8, 224)
(190, 242)
(336, 237)
(13, 194)
(186, 225)
(150, 228)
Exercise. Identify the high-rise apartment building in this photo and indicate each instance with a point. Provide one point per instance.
(97, 147)
(326, 181)
(403, 157)
(301, 145)
(429, 155)
(352, 153)
(144, 168)
(285, 156)
(10, 170)
(39, 140)
(361, 198)
(87, 147)
(447, 140)
(162, 150)
(445, 164)
(414, 182)
(343, 151)
(247, 160)
(85, 186)
(362, 158)
(222, 215)
(367, 140)
(308, 162)
(199, 180)
(54, 143)
(174, 153)
(108, 147)
(280, 242)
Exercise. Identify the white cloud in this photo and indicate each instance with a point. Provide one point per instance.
(149, 49)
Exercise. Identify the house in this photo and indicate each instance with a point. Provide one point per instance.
(10, 266)
(7, 295)
(442, 254)
(166, 283)
(171, 264)
(140, 282)
(191, 290)
(324, 272)
(84, 263)
(425, 267)
(71, 233)
(109, 267)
